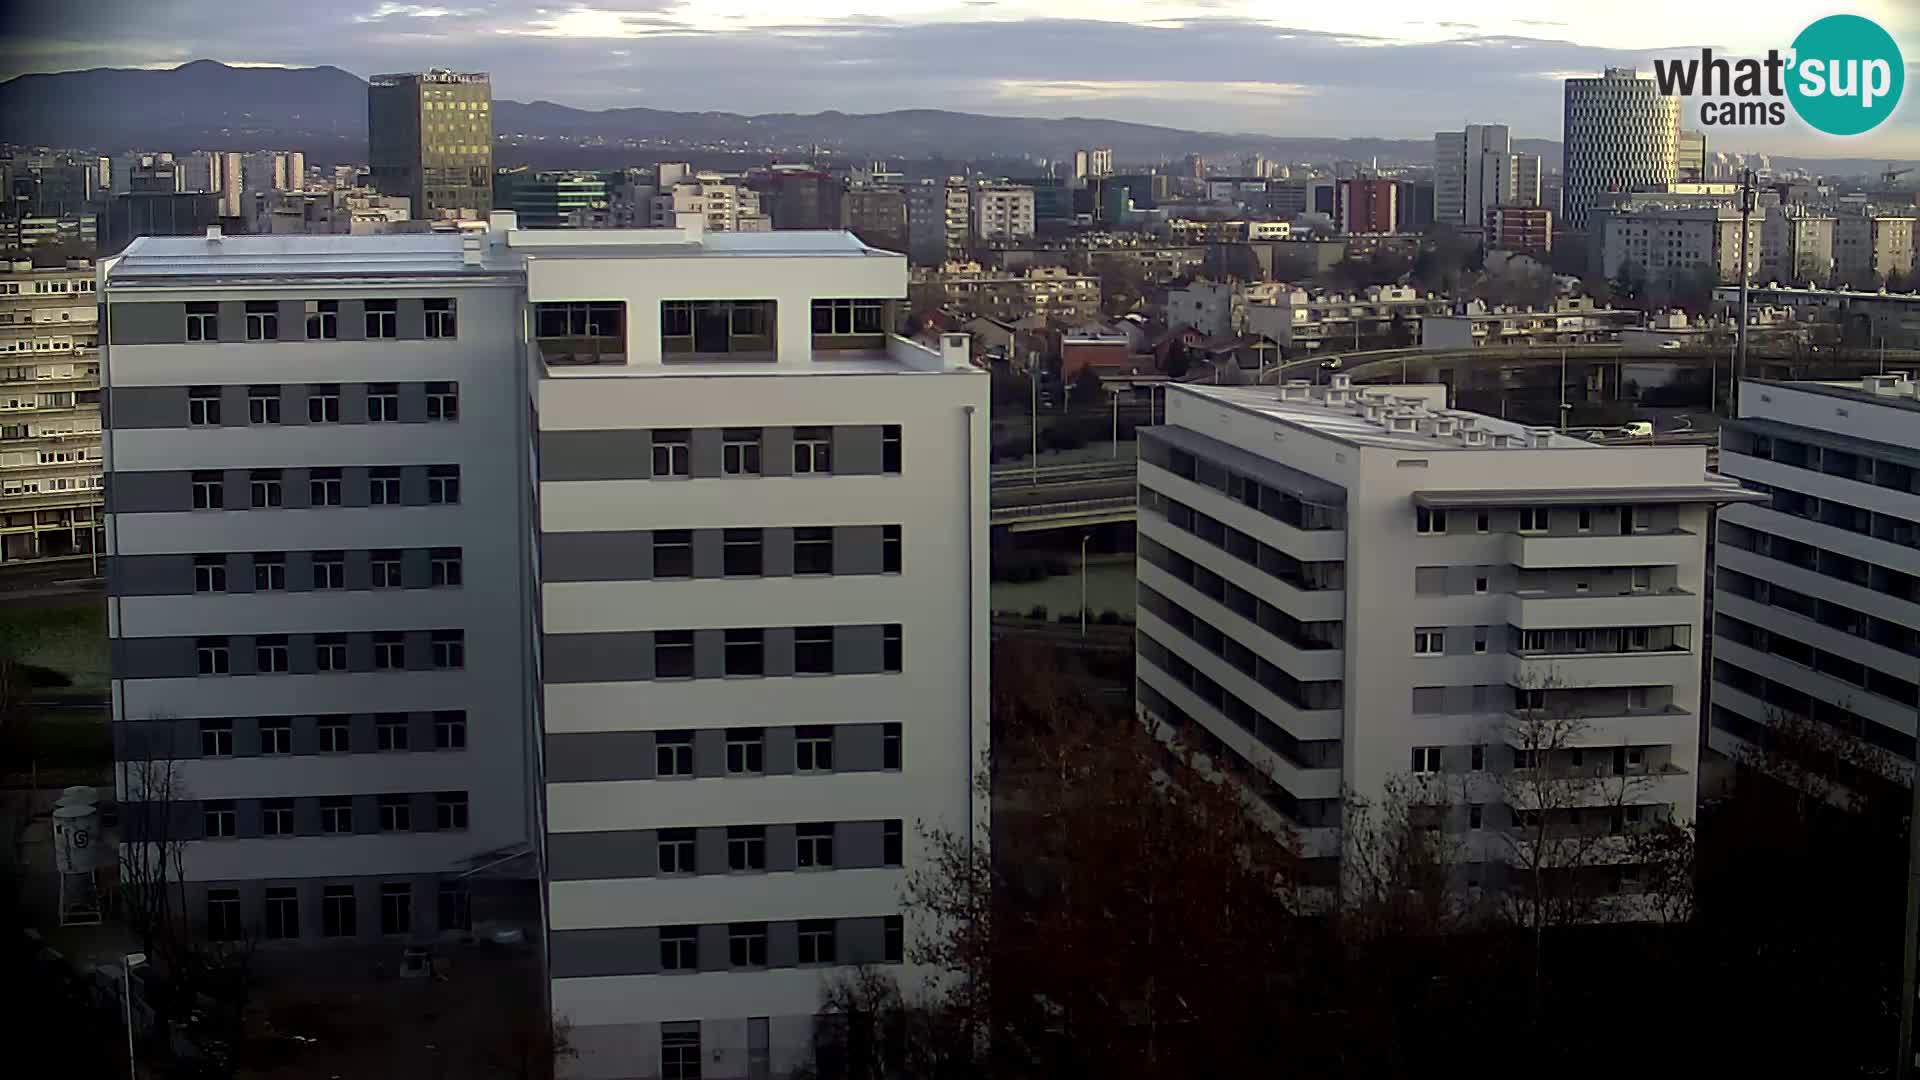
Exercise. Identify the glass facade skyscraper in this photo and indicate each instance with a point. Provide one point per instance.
(430, 138)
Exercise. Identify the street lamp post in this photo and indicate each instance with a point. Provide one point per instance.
(127, 964)
(1116, 422)
(1033, 424)
(1084, 537)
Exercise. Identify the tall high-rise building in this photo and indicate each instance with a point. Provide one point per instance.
(878, 216)
(233, 186)
(566, 634)
(1343, 588)
(296, 177)
(1621, 134)
(938, 220)
(1690, 160)
(1476, 169)
(50, 399)
(1100, 161)
(1002, 212)
(1366, 204)
(430, 138)
(1817, 600)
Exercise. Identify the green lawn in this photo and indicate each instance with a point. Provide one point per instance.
(69, 637)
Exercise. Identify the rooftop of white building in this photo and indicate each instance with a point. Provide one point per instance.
(1895, 389)
(1401, 416)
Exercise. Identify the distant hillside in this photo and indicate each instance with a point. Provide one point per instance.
(323, 110)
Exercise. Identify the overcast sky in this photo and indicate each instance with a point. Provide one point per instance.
(1394, 68)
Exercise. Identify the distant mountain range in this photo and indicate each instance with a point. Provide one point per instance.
(323, 111)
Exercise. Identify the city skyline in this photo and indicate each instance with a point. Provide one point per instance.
(1216, 67)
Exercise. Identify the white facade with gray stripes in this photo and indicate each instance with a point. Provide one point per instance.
(643, 560)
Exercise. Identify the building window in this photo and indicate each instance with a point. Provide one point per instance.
(716, 326)
(389, 651)
(813, 550)
(383, 486)
(450, 811)
(443, 485)
(270, 655)
(670, 450)
(209, 573)
(890, 549)
(269, 571)
(323, 320)
(384, 568)
(1479, 757)
(1534, 519)
(673, 753)
(1480, 584)
(745, 652)
(746, 848)
(747, 945)
(203, 322)
(680, 1051)
(445, 568)
(673, 654)
(740, 452)
(383, 319)
(1479, 640)
(813, 650)
(211, 654)
(216, 738)
(339, 915)
(329, 570)
(263, 320)
(1642, 579)
(456, 908)
(890, 746)
(443, 400)
(203, 406)
(449, 649)
(812, 450)
(1480, 521)
(813, 749)
(396, 908)
(816, 941)
(672, 553)
(263, 488)
(223, 914)
(679, 948)
(893, 841)
(276, 736)
(383, 403)
(676, 851)
(330, 652)
(741, 549)
(440, 322)
(841, 318)
(324, 487)
(282, 912)
(450, 730)
(1429, 642)
(1475, 816)
(390, 731)
(336, 735)
(814, 846)
(890, 448)
(746, 751)
(891, 647)
(1426, 759)
(323, 404)
(219, 818)
(1429, 522)
(893, 935)
(209, 492)
(1584, 523)
(396, 813)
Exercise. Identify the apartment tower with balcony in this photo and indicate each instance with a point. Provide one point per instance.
(49, 413)
(1343, 588)
(1817, 599)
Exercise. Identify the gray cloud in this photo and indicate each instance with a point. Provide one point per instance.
(1320, 83)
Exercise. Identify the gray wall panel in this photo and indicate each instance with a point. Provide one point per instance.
(857, 650)
(781, 850)
(776, 451)
(600, 755)
(709, 654)
(612, 657)
(856, 748)
(590, 953)
(858, 845)
(709, 752)
(133, 407)
(147, 324)
(412, 327)
(777, 551)
(779, 650)
(703, 452)
(353, 321)
(154, 658)
(597, 556)
(859, 941)
(597, 855)
(856, 450)
(151, 492)
(857, 549)
(596, 455)
(149, 575)
(233, 320)
(709, 553)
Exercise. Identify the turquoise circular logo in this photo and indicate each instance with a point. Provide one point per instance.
(1847, 75)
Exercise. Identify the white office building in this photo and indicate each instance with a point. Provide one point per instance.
(1342, 585)
(632, 579)
(1817, 601)
(1476, 170)
(1621, 134)
(1002, 212)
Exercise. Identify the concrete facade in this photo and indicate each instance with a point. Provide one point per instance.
(50, 471)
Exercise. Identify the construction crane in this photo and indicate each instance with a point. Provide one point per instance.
(1890, 174)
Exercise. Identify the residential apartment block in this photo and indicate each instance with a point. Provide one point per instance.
(1655, 241)
(1817, 601)
(49, 412)
(642, 568)
(1002, 212)
(725, 203)
(1870, 247)
(1341, 586)
(1048, 292)
(1297, 319)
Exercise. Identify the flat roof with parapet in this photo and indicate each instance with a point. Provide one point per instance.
(1339, 421)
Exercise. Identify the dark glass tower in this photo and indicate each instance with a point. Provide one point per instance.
(430, 138)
